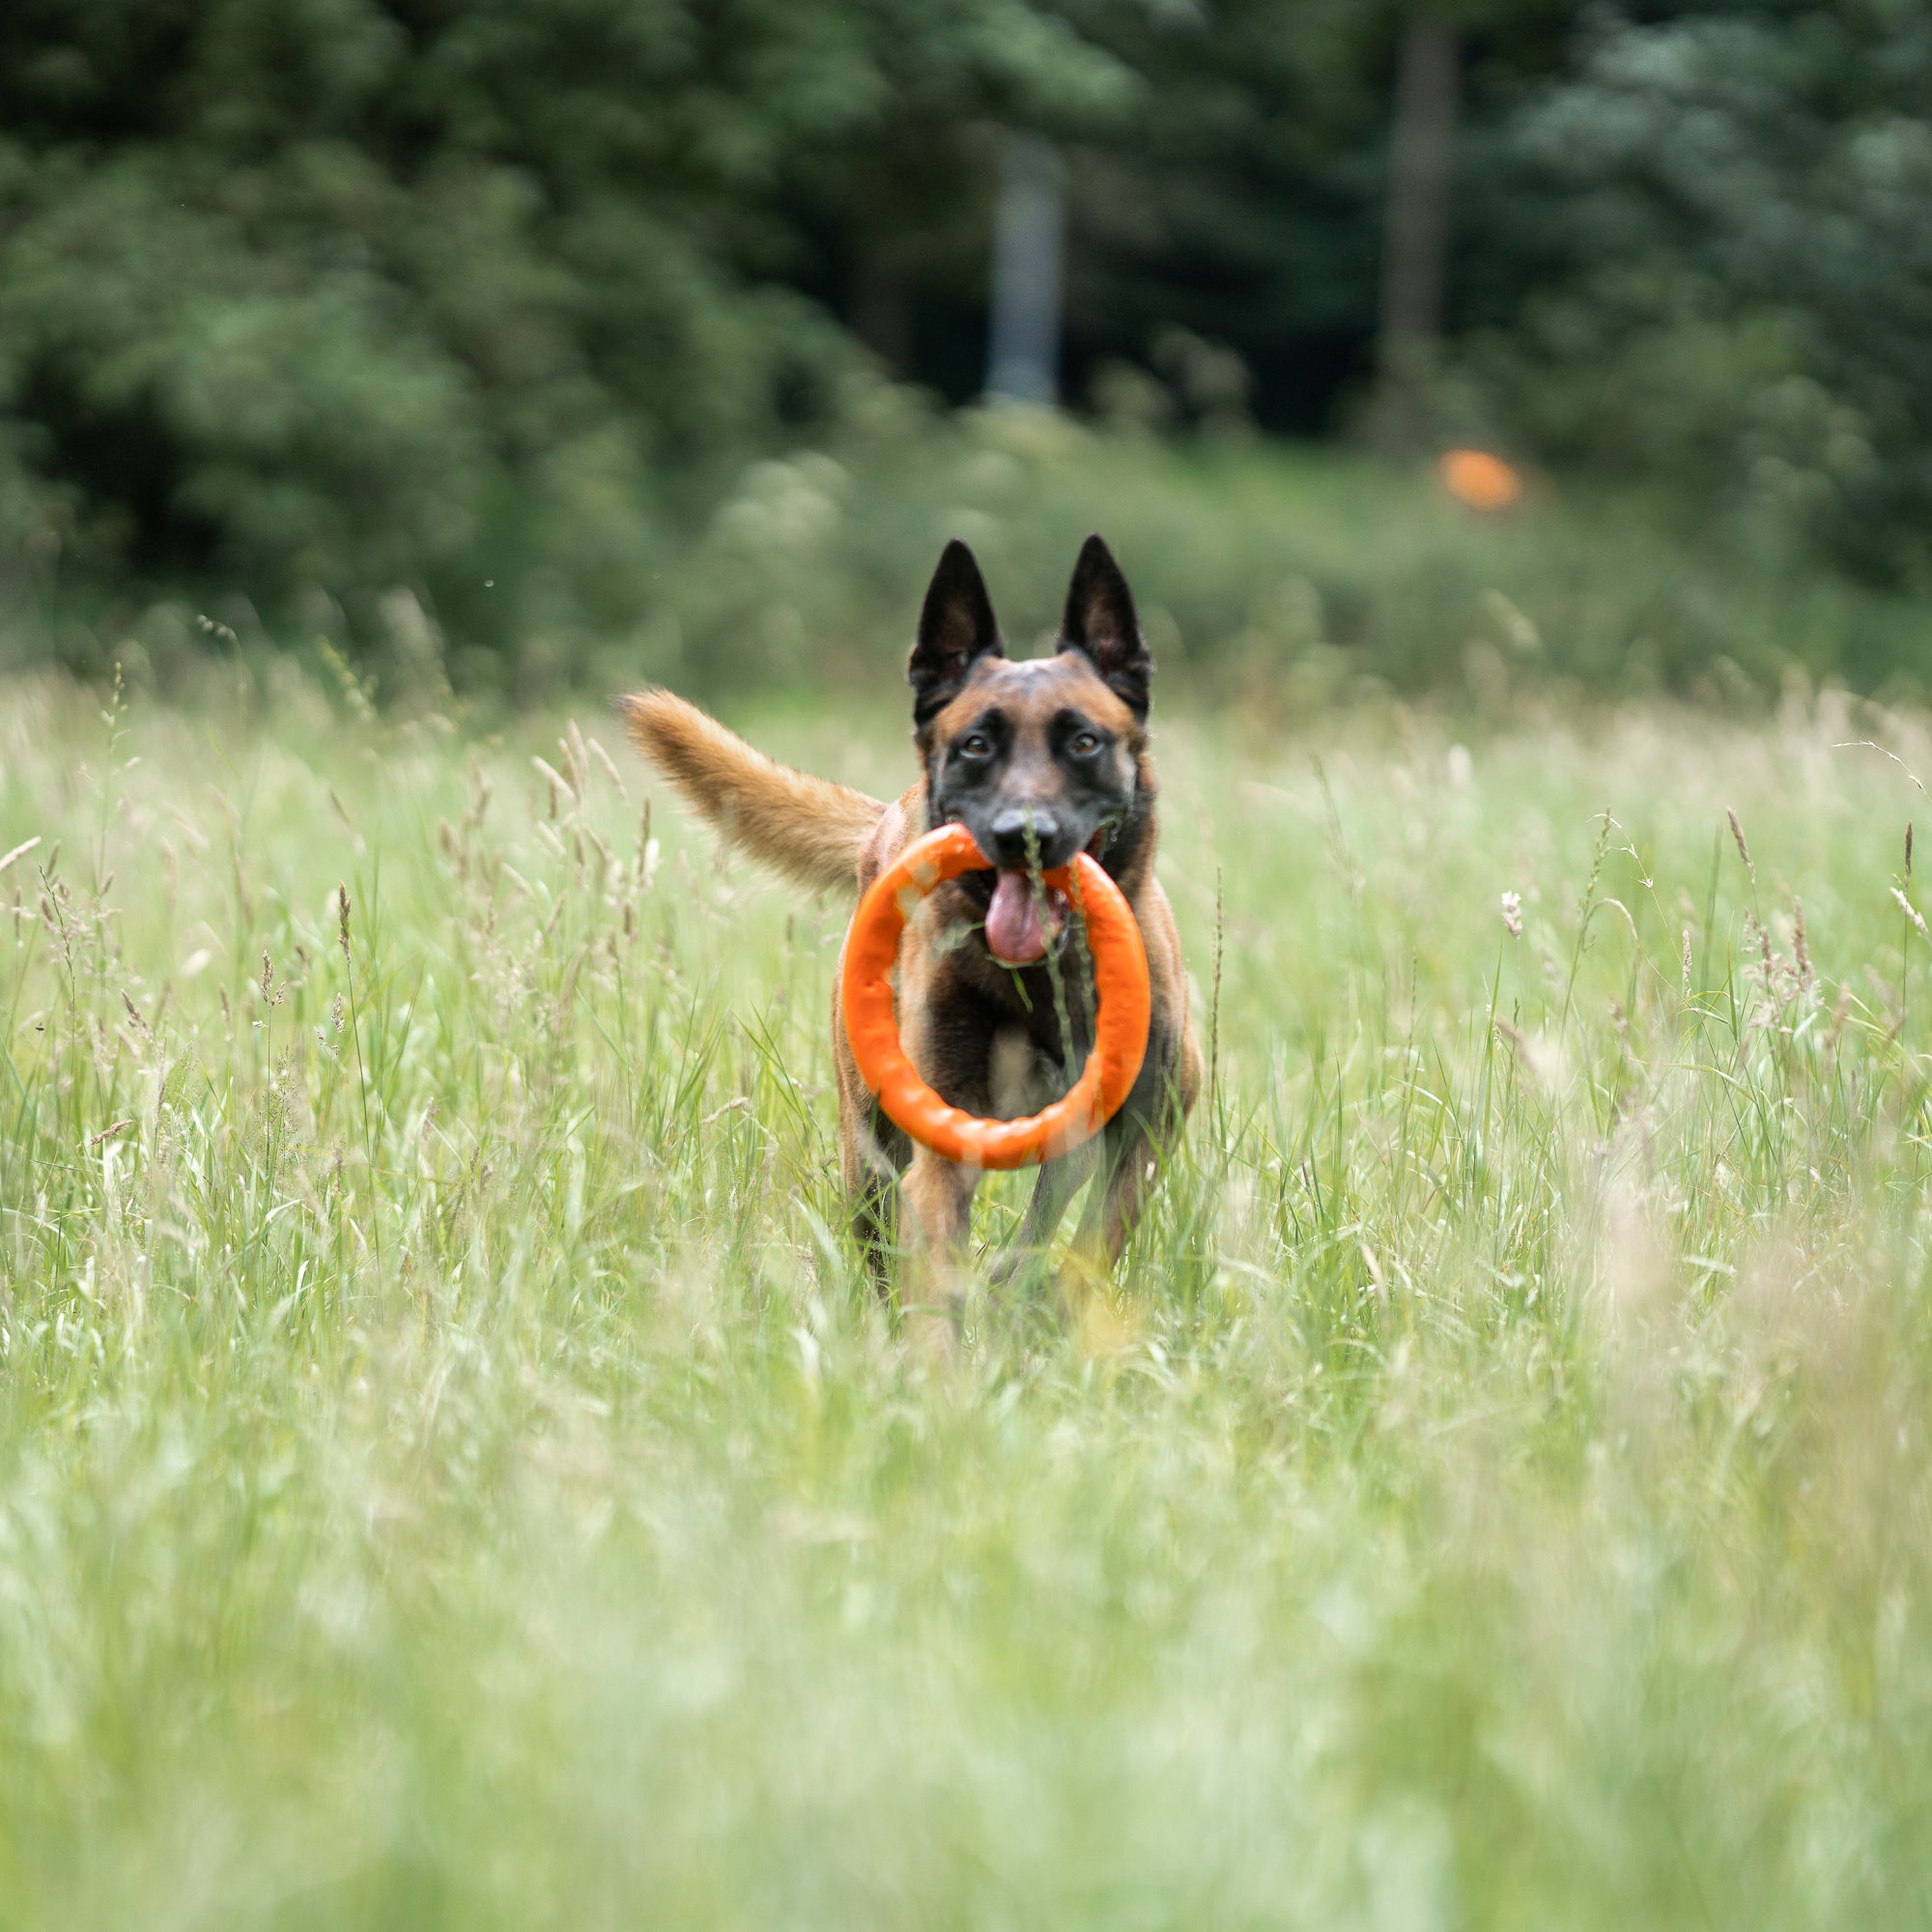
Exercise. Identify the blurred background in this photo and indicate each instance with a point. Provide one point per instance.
(476, 349)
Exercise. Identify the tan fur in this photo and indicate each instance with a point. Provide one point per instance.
(807, 828)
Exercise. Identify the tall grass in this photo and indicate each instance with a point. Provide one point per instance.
(452, 1471)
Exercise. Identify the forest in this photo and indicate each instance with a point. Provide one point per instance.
(306, 302)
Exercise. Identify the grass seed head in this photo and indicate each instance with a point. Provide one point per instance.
(1744, 850)
(611, 771)
(1912, 913)
(1841, 1011)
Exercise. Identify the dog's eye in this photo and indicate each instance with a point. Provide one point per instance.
(976, 744)
(1084, 744)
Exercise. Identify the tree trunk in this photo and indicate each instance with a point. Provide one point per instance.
(881, 309)
(1422, 161)
(1023, 355)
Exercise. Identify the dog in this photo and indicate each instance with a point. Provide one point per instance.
(1040, 760)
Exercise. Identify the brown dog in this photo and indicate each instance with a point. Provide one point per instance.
(1038, 760)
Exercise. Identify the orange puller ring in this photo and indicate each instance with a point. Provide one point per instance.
(1126, 1005)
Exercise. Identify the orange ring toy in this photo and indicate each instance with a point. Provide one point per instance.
(1126, 1004)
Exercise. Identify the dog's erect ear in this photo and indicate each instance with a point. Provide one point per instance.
(956, 629)
(1100, 624)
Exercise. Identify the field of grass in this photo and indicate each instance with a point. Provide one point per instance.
(453, 1474)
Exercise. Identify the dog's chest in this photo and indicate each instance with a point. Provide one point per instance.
(1021, 1078)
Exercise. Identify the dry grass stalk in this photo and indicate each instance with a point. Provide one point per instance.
(1744, 850)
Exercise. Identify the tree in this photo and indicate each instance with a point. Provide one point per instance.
(1415, 245)
(344, 293)
(1736, 294)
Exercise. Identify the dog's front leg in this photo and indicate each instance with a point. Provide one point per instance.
(1060, 1181)
(940, 1194)
(1113, 1208)
(1136, 1141)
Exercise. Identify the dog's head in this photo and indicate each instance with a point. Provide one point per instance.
(1038, 760)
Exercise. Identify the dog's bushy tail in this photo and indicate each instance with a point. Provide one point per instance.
(809, 829)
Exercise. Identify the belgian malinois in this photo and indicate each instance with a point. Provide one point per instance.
(1038, 760)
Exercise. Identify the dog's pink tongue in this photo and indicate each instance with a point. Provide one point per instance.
(1012, 922)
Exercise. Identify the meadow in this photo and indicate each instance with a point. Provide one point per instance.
(454, 1472)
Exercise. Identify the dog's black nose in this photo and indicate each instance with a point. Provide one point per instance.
(1010, 835)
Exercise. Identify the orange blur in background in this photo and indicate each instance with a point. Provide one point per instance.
(1483, 481)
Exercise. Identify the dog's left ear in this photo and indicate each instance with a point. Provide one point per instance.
(1101, 626)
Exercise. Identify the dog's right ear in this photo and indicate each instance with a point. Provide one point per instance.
(956, 629)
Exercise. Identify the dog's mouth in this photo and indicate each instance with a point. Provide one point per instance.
(1016, 932)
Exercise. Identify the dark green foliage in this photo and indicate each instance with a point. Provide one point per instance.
(1731, 227)
(304, 300)
(341, 294)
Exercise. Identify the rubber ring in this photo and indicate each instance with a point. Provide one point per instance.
(1126, 1008)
